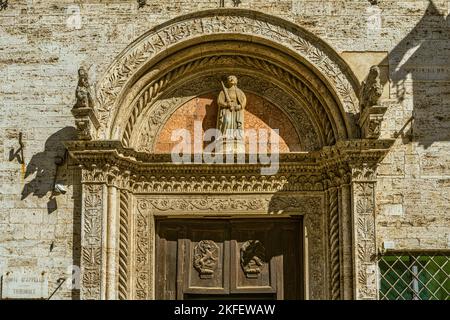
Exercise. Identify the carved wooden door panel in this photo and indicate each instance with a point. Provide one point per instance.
(254, 266)
(229, 259)
(203, 260)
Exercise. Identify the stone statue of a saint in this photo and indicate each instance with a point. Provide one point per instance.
(232, 102)
(83, 93)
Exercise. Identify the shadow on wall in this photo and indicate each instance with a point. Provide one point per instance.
(47, 172)
(43, 165)
(420, 68)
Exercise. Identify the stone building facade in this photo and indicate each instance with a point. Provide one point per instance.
(91, 91)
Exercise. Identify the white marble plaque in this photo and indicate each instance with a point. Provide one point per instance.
(24, 285)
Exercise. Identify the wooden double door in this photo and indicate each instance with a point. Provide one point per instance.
(229, 259)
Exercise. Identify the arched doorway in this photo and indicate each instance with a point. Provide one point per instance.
(169, 78)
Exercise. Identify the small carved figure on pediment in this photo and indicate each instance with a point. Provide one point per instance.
(371, 89)
(83, 93)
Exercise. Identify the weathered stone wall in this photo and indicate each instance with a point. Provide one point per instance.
(43, 43)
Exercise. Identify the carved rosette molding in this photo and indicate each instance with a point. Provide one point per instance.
(363, 192)
(201, 24)
(91, 243)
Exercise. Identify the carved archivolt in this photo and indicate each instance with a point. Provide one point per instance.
(195, 28)
(143, 85)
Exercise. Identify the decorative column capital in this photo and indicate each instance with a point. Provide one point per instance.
(364, 172)
(336, 177)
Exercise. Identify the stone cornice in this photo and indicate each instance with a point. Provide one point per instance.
(109, 162)
(350, 152)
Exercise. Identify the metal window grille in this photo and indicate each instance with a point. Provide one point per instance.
(414, 276)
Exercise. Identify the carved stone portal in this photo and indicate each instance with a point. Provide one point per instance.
(158, 187)
(206, 254)
(253, 255)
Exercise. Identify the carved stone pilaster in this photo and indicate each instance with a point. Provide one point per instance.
(370, 121)
(315, 225)
(91, 242)
(86, 123)
(365, 264)
(143, 252)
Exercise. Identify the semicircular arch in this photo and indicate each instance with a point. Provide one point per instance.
(296, 60)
